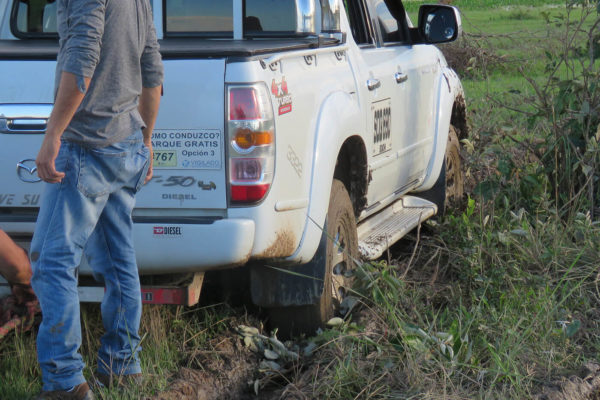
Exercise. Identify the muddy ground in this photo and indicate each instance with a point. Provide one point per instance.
(233, 370)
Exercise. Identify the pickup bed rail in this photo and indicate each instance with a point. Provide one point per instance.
(47, 49)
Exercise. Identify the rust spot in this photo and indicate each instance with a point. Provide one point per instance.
(283, 245)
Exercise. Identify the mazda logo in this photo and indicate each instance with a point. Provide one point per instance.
(26, 171)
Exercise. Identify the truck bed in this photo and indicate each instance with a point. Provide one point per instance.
(47, 49)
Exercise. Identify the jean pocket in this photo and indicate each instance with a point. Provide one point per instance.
(143, 156)
(97, 171)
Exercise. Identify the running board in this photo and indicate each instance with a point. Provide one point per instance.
(377, 233)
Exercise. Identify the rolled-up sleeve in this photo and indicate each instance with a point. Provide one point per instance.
(151, 61)
(85, 28)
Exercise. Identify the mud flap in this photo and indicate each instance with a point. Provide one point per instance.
(295, 285)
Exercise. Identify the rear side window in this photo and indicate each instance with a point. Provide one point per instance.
(34, 18)
(215, 18)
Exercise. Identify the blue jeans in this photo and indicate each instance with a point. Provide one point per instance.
(90, 209)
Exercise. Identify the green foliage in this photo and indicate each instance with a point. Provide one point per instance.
(483, 5)
(511, 305)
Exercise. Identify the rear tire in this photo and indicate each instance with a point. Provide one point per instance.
(449, 187)
(340, 227)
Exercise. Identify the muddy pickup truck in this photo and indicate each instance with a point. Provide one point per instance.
(294, 138)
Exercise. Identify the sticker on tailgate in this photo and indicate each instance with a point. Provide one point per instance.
(187, 148)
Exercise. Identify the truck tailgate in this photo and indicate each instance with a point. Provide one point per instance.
(189, 167)
(188, 140)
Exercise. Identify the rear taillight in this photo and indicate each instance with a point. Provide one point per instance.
(251, 138)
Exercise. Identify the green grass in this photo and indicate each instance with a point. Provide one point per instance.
(505, 305)
(489, 6)
(169, 334)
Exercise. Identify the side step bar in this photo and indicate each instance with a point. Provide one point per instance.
(378, 232)
(186, 295)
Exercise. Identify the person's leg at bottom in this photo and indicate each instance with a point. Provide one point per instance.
(65, 221)
(111, 255)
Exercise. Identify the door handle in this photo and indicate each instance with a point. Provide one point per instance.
(400, 77)
(24, 118)
(373, 83)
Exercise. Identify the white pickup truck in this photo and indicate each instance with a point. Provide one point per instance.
(294, 137)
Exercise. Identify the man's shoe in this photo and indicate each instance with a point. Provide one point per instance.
(120, 381)
(81, 392)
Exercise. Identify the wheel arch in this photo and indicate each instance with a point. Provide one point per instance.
(353, 170)
(458, 118)
(450, 109)
(337, 133)
(336, 138)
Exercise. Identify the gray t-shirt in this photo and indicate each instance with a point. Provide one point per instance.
(113, 42)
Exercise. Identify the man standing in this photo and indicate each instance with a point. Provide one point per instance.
(95, 156)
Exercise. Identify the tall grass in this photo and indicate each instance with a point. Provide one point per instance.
(170, 335)
(497, 305)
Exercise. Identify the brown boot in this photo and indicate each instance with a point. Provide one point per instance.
(81, 392)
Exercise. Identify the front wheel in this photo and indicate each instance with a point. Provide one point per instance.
(340, 250)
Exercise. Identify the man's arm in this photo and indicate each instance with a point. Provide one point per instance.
(152, 79)
(82, 52)
(68, 99)
(149, 103)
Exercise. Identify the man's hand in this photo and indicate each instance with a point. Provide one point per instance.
(149, 102)
(45, 160)
(67, 101)
(151, 160)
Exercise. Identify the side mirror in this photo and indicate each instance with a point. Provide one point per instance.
(439, 23)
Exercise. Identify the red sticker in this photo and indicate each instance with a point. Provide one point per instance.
(284, 109)
(283, 96)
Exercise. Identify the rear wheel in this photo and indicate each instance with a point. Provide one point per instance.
(341, 250)
(449, 187)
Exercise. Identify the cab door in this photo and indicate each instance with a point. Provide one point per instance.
(411, 73)
(381, 101)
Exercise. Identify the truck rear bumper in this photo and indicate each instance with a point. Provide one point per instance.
(167, 248)
(175, 248)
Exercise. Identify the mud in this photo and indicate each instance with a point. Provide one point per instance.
(585, 385)
(459, 117)
(220, 373)
(284, 245)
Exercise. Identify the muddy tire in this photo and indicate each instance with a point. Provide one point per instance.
(338, 262)
(449, 188)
